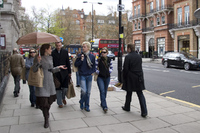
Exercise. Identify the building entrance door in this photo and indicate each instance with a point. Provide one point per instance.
(151, 47)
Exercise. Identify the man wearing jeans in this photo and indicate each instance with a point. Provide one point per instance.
(86, 67)
(16, 64)
(61, 57)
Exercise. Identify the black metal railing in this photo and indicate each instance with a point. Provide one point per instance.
(4, 55)
(137, 16)
(160, 8)
(184, 24)
(148, 29)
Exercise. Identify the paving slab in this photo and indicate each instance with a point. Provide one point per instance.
(5, 129)
(158, 112)
(179, 109)
(195, 115)
(83, 130)
(9, 121)
(29, 128)
(119, 128)
(103, 120)
(128, 117)
(162, 130)
(192, 127)
(177, 119)
(67, 124)
(27, 119)
(150, 124)
(68, 115)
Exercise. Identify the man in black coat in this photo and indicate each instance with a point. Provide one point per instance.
(133, 80)
(61, 57)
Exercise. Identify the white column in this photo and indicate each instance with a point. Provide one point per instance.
(199, 48)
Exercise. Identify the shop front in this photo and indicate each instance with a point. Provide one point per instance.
(161, 46)
(184, 43)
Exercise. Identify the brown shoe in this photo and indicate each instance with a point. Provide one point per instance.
(64, 102)
(60, 106)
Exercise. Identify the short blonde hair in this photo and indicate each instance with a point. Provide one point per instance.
(88, 44)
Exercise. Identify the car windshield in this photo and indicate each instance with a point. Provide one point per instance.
(109, 52)
(189, 56)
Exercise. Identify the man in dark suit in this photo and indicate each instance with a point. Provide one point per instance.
(61, 57)
(133, 80)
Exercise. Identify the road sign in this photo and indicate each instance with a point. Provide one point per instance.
(121, 7)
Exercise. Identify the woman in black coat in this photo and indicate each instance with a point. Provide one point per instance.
(133, 80)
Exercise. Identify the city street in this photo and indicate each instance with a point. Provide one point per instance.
(170, 82)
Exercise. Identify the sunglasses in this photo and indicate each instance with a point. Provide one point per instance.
(32, 52)
(104, 52)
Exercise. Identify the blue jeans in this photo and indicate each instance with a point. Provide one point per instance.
(17, 84)
(60, 95)
(141, 100)
(77, 78)
(86, 84)
(32, 97)
(103, 87)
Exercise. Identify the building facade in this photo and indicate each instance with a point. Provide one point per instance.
(184, 31)
(161, 26)
(10, 27)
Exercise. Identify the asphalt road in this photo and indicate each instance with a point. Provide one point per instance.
(170, 82)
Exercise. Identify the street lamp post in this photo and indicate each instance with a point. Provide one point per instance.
(92, 14)
(119, 50)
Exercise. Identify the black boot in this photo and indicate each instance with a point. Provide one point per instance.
(46, 122)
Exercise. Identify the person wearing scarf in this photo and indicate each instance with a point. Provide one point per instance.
(104, 69)
(86, 67)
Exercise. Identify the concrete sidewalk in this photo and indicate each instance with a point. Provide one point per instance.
(164, 115)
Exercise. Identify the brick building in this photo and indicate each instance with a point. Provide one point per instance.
(184, 31)
(161, 26)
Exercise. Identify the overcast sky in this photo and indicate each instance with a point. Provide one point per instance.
(77, 4)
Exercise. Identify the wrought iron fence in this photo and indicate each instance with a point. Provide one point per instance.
(184, 24)
(4, 55)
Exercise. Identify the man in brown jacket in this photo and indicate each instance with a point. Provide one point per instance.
(16, 64)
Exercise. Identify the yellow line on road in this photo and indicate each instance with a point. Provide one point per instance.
(195, 86)
(191, 104)
(167, 92)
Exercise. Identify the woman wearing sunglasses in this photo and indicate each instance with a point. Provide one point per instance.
(104, 69)
(28, 65)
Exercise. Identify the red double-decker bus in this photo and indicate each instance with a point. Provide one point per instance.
(111, 44)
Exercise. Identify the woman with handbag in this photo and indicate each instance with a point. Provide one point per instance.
(28, 65)
(104, 69)
(46, 95)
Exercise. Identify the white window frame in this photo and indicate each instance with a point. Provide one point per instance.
(151, 6)
(187, 15)
(157, 5)
(151, 23)
(179, 16)
(135, 9)
(139, 26)
(135, 26)
(138, 9)
(158, 21)
(162, 4)
(100, 21)
(163, 20)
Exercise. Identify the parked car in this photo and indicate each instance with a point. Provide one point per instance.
(182, 60)
(111, 55)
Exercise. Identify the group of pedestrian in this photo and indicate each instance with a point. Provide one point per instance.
(57, 64)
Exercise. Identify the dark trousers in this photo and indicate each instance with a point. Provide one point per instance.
(17, 84)
(141, 100)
